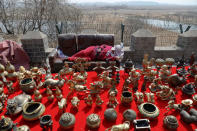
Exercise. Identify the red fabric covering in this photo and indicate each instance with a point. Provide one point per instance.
(84, 111)
(13, 52)
(90, 53)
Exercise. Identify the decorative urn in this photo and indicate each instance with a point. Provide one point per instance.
(170, 122)
(67, 121)
(93, 121)
(27, 85)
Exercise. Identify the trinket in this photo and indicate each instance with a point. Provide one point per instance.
(89, 100)
(50, 94)
(3, 73)
(129, 115)
(169, 62)
(67, 121)
(171, 105)
(79, 79)
(159, 62)
(37, 95)
(140, 97)
(121, 127)
(134, 76)
(51, 83)
(6, 124)
(112, 100)
(182, 71)
(99, 68)
(110, 114)
(189, 89)
(99, 101)
(150, 97)
(195, 99)
(190, 117)
(58, 93)
(128, 65)
(46, 122)
(141, 124)
(1, 107)
(75, 102)
(156, 85)
(3, 96)
(106, 80)
(12, 75)
(126, 98)
(193, 70)
(15, 105)
(164, 73)
(10, 87)
(148, 110)
(150, 74)
(33, 110)
(112, 67)
(21, 128)
(62, 104)
(195, 81)
(27, 85)
(66, 70)
(166, 93)
(93, 121)
(171, 122)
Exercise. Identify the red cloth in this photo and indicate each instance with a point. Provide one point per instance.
(90, 53)
(13, 52)
(84, 111)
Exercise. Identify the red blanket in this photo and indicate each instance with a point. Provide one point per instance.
(93, 53)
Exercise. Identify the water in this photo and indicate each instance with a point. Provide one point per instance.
(169, 25)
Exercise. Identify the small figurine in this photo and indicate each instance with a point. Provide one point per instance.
(112, 67)
(140, 97)
(6, 124)
(150, 97)
(112, 100)
(10, 87)
(106, 79)
(166, 93)
(169, 62)
(1, 106)
(46, 122)
(53, 83)
(58, 93)
(66, 70)
(171, 105)
(23, 73)
(99, 68)
(150, 74)
(99, 101)
(159, 62)
(79, 79)
(96, 87)
(12, 75)
(128, 66)
(75, 102)
(50, 94)
(145, 63)
(3, 96)
(3, 73)
(89, 100)
(164, 73)
(36, 74)
(134, 76)
(37, 95)
(121, 127)
(193, 70)
(47, 69)
(62, 104)
(156, 85)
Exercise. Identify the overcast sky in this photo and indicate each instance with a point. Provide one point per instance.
(179, 2)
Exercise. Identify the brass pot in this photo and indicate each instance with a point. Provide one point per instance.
(67, 121)
(33, 110)
(148, 110)
(126, 97)
(170, 122)
(27, 85)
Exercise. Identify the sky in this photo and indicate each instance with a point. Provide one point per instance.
(178, 2)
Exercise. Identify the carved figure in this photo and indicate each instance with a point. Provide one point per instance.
(140, 97)
(37, 96)
(134, 77)
(75, 102)
(164, 73)
(166, 93)
(156, 85)
(50, 94)
(121, 127)
(112, 100)
(150, 97)
(89, 100)
(62, 104)
(51, 83)
(99, 101)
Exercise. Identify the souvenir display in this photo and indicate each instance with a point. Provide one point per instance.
(21, 128)
(99, 68)
(12, 75)
(171, 122)
(27, 85)
(148, 110)
(89, 100)
(110, 114)
(141, 124)
(166, 93)
(189, 89)
(49, 94)
(112, 100)
(139, 97)
(121, 127)
(10, 87)
(33, 110)
(150, 97)
(3, 73)
(126, 98)
(6, 124)
(62, 104)
(15, 105)
(67, 121)
(37, 95)
(93, 121)
(75, 102)
(46, 122)
(129, 115)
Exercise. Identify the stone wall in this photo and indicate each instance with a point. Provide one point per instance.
(143, 41)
